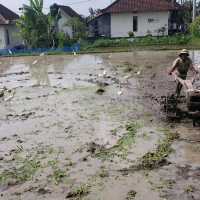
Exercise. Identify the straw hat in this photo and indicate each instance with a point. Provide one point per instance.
(184, 51)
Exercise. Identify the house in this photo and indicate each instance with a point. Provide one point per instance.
(141, 17)
(9, 36)
(66, 13)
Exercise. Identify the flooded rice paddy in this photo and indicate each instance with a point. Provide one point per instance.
(91, 127)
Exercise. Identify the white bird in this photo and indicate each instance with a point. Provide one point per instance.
(99, 62)
(104, 75)
(100, 75)
(127, 77)
(35, 62)
(120, 93)
(74, 52)
(10, 52)
(42, 54)
(139, 72)
(104, 72)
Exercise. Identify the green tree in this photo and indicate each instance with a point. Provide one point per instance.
(34, 25)
(79, 28)
(54, 17)
(195, 27)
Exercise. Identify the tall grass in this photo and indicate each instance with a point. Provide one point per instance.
(143, 41)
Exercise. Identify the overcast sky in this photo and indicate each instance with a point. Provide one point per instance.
(80, 6)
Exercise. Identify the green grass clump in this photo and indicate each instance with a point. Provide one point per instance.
(22, 174)
(155, 159)
(123, 144)
(58, 174)
(131, 195)
(79, 192)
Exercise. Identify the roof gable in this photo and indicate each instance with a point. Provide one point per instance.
(7, 14)
(139, 6)
(69, 11)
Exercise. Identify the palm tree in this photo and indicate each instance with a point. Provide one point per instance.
(33, 24)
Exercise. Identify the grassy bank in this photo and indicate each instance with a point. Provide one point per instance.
(129, 44)
(143, 43)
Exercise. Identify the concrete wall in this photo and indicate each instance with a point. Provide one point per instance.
(14, 36)
(62, 27)
(2, 37)
(104, 23)
(100, 26)
(148, 23)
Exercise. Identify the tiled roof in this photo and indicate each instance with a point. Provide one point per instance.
(139, 6)
(7, 15)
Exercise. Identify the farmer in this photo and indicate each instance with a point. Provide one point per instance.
(180, 68)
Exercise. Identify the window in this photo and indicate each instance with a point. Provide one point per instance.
(7, 37)
(150, 20)
(135, 23)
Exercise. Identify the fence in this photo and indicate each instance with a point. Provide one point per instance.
(13, 51)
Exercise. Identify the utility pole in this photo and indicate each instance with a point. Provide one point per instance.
(194, 10)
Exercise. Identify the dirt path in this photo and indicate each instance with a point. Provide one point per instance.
(90, 127)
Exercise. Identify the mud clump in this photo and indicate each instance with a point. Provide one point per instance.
(104, 173)
(6, 94)
(1, 93)
(43, 191)
(22, 117)
(94, 148)
(169, 103)
(79, 192)
(131, 195)
(100, 91)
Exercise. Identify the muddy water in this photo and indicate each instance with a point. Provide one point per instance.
(52, 122)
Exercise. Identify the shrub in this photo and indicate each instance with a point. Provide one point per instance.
(143, 41)
(103, 43)
(195, 27)
(64, 40)
(131, 34)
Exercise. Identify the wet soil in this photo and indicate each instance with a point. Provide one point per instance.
(73, 127)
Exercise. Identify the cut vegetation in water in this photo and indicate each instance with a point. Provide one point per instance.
(123, 144)
(158, 158)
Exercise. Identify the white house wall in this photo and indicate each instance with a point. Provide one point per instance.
(14, 36)
(2, 37)
(62, 27)
(122, 23)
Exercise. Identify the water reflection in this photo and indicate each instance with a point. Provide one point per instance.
(5, 64)
(39, 71)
